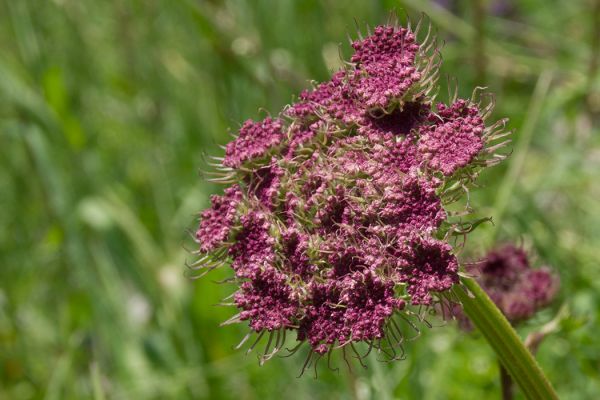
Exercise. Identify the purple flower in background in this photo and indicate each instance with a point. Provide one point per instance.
(518, 290)
(498, 8)
(336, 229)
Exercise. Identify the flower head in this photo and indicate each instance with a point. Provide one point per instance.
(385, 66)
(518, 290)
(253, 141)
(336, 226)
(453, 139)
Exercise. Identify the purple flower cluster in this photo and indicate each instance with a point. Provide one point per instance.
(337, 224)
(254, 140)
(354, 307)
(266, 301)
(453, 139)
(385, 65)
(216, 221)
(383, 71)
(516, 288)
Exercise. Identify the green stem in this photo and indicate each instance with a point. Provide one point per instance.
(515, 357)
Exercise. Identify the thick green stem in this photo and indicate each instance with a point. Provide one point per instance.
(511, 351)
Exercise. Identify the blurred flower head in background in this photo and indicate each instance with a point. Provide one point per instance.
(497, 8)
(518, 290)
(335, 225)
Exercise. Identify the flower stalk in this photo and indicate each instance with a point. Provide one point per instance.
(514, 356)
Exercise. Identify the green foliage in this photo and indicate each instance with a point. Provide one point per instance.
(106, 111)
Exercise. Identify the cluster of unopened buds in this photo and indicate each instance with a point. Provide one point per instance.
(334, 222)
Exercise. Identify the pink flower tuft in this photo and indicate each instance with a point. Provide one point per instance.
(265, 183)
(216, 222)
(335, 99)
(453, 140)
(253, 248)
(385, 64)
(409, 206)
(266, 301)
(354, 308)
(428, 265)
(254, 139)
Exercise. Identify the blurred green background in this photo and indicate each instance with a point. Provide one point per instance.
(106, 111)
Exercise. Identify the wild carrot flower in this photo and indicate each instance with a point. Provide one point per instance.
(335, 226)
(514, 286)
